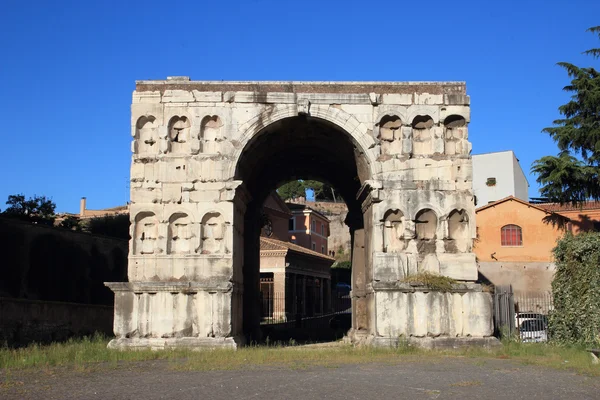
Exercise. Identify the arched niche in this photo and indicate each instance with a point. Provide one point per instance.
(145, 233)
(179, 134)
(180, 234)
(426, 223)
(393, 232)
(422, 139)
(146, 135)
(210, 133)
(458, 230)
(390, 134)
(213, 232)
(455, 127)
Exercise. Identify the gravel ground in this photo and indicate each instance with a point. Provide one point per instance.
(443, 378)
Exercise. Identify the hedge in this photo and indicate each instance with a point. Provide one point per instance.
(576, 290)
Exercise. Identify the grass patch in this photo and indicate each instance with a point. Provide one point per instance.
(432, 281)
(91, 353)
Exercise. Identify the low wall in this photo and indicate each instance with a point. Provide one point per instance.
(524, 276)
(26, 321)
(56, 264)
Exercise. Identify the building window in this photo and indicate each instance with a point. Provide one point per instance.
(512, 235)
(292, 224)
(314, 226)
(490, 182)
(322, 249)
(314, 246)
(322, 229)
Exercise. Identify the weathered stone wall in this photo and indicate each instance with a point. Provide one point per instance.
(27, 321)
(193, 156)
(55, 264)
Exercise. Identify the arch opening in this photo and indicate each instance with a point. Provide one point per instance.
(290, 149)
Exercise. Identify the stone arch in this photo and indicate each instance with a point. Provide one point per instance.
(458, 231)
(422, 129)
(211, 132)
(180, 234)
(426, 223)
(178, 134)
(146, 135)
(455, 134)
(145, 233)
(393, 231)
(345, 121)
(213, 233)
(285, 139)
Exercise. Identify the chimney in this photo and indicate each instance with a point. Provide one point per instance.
(82, 207)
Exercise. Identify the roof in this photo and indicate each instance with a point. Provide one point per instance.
(513, 198)
(276, 201)
(297, 207)
(492, 152)
(269, 244)
(557, 207)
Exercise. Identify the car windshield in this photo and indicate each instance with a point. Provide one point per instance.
(532, 325)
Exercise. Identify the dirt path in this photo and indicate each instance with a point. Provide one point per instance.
(444, 378)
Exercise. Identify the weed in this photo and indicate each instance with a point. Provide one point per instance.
(431, 280)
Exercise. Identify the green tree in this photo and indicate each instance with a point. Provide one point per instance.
(38, 209)
(573, 175)
(291, 190)
(71, 222)
(116, 226)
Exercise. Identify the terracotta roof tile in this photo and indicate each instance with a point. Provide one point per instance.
(557, 207)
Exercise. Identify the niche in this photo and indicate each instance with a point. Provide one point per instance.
(422, 125)
(146, 135)
(425, 224)
(180, 234)
(390, 134)
(393, 232)
(455, 127)
(213, 231)
(210, 134)
(179, 134)
(145, 233)
(458, 231)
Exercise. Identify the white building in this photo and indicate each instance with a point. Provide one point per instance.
(496, 176)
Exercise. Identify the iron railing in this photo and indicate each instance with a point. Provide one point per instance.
(522, 315)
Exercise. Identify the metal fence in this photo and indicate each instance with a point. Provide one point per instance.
(523, 315)
(278, 308)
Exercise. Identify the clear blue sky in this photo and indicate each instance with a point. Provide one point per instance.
(68, 69)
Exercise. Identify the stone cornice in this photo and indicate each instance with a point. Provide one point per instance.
(184, 83)
(209, 285)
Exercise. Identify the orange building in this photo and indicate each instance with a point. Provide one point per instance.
(308, 228)
(514, 244)
(583, 217)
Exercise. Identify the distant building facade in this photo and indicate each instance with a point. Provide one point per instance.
(496, 176)
(308, 228)
(514, 244)
(515, 239)
(294, 278)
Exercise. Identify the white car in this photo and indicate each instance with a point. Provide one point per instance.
(533, 330)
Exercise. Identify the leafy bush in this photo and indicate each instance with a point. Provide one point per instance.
(342, 265)
(576, 290)
(116, 226)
